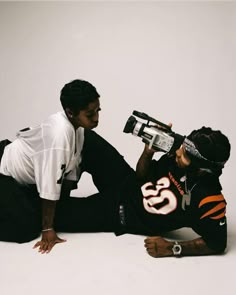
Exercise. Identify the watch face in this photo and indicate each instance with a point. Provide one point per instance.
(177, 249)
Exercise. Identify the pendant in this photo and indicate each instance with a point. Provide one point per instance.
(183, 178)
(186, 198)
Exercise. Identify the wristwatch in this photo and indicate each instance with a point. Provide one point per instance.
(177, 249)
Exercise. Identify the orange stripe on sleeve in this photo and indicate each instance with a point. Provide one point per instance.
(214, 210)
(219, 216)
(211, 199)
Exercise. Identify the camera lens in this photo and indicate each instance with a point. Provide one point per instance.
(130, 124)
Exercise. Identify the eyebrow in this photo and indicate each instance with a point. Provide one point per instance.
(92, 111)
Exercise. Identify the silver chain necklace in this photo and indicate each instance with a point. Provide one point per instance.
(186, 198)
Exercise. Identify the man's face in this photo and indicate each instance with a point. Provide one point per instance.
(182, 159)
(87, 118)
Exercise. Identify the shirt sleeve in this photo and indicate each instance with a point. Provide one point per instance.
(50, 169)
(210, 221)
(160, 166)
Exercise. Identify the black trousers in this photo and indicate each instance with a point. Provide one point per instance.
(20, 206)
(99, 212)
(20, 211)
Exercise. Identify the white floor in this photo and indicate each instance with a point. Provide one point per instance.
(101, 263)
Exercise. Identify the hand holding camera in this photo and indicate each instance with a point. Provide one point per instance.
(159, 137)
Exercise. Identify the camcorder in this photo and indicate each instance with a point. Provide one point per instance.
(159, 137)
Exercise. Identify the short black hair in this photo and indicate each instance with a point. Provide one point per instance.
(212, 144)
(77, 95)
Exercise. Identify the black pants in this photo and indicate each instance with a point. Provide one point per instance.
(99, 212)
(20, 211)
(107, 167)
(20, 206)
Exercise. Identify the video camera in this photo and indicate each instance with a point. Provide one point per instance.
(159, 137)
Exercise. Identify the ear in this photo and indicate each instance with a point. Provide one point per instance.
(69, 113)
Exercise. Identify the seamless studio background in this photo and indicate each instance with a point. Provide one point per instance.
(172, 60)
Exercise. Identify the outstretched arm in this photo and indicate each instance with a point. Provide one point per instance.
(159, 247)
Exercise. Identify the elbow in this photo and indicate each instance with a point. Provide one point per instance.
(218, 247)
(221, 250)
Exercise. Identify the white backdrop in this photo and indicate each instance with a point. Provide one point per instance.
(175, 61)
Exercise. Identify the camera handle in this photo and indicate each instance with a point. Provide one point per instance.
(150, 119)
